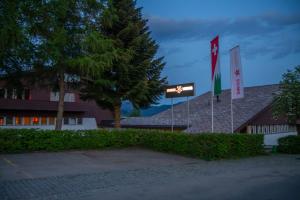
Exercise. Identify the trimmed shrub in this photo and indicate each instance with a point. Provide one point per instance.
(289, 144)
(205, 146)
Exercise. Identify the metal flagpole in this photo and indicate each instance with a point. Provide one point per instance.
(212, 111)
(231, 114)
(231, 109)
(188, 112)
(172, 124)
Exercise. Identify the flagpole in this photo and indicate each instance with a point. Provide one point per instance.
(231, 113)
(212, 110)
(188, 112)
(172, 113)
(231, 110)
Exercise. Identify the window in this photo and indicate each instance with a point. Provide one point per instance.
(35, 120)
(14, 94)
(44, 120)
(9, 94)
(66, 121)
(79, 121)
(26, 120)
(72, 121)
(18, 121)
(69, 97)
(2, 121)
(19, 94)
(54, 96)
(2, 93)
(27, 94)
(71, 78)
(51, 120)
(9, 120)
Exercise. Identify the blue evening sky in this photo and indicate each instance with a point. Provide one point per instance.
(268, 32)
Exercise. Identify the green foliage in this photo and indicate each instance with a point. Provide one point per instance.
(205, 146)
(289, 144)
(42, 41)
(134, 74)
(135, 113)
(287, 103)
(15, 47)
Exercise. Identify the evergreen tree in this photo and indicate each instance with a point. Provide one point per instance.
(135, 71)
(135, 113)
(287, 102)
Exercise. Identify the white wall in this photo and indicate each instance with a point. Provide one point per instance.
(87, 124)
(272, 139)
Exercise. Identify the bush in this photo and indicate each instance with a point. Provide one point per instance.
(289, 144)
(205, 146)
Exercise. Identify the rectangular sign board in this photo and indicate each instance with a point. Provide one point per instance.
(180, 90)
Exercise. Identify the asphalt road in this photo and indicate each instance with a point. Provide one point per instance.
(142, 174)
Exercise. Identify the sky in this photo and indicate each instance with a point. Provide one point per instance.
(267, 31)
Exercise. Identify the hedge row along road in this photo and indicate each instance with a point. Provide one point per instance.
(204, 146)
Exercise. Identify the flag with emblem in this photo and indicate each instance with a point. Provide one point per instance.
(215, 67)
(237, 86)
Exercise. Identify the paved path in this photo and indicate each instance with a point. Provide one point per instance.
(142, 174)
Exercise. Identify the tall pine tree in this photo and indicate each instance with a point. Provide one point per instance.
(135, 71)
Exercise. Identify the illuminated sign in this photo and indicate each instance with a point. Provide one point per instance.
(181, 90)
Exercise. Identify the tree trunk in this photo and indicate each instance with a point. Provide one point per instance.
(60, 110)
(298, 129)
(117, 116)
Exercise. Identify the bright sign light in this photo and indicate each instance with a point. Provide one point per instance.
(181, 90)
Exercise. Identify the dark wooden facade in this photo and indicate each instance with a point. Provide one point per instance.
(39, 103)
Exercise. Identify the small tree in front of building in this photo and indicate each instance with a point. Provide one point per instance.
(44, 42)
(287, 102)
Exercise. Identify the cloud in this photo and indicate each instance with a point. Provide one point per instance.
(268, 23)
(167, 51)
(270, 34)
(285, 48)
(187, 64)
(276, 46)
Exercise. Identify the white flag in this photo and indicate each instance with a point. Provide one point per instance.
(237, 85)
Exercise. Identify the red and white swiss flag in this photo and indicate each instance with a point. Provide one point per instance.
(214, 49)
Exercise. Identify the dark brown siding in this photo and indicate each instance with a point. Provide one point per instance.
(266, 118)
(40, 94)
(40, 105)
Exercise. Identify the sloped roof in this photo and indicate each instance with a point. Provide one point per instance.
(256, 100)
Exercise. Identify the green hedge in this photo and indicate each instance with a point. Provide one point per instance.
(289, 144)
(206, 146)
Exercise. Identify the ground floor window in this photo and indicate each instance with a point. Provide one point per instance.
(9, 120)
(37, 120)
(66, 121)
(2, 122)
(52, 120)
(26, 120)
(43, 120)
(72, 121)
(79, 121)
(18, 121)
